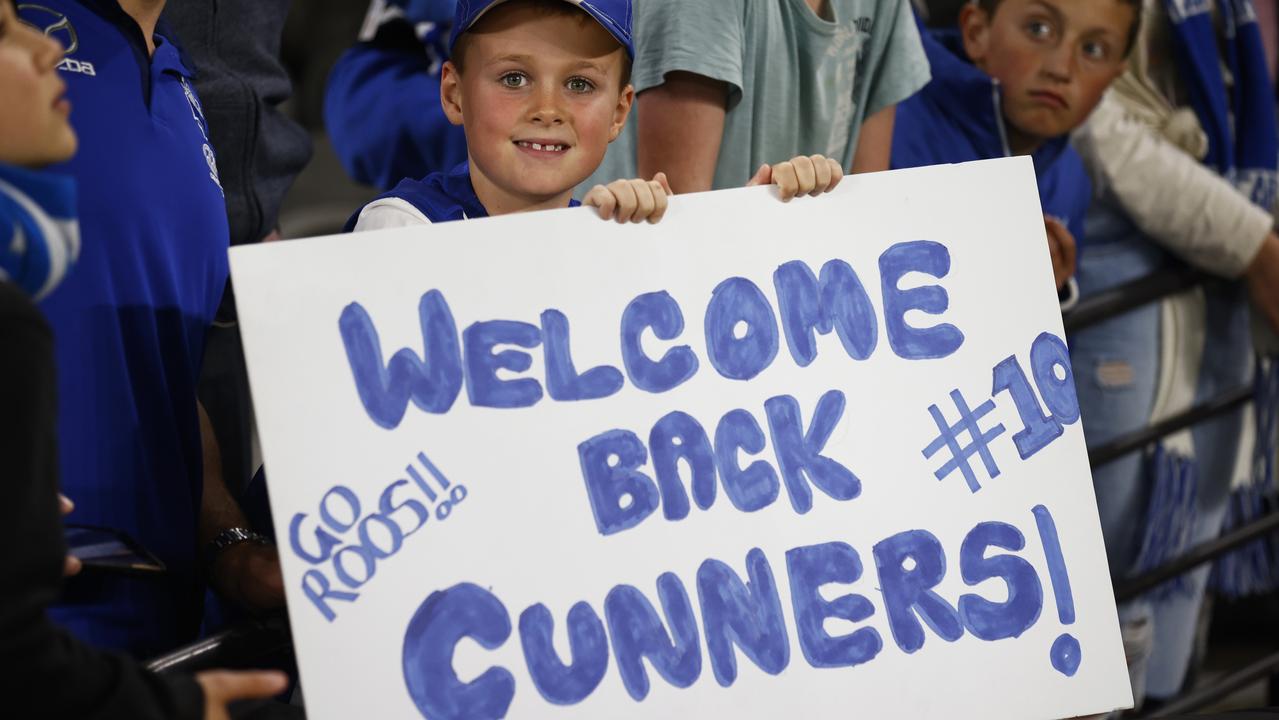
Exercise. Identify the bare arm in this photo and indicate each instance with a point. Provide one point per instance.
(875, 142)
(681, 124)
(247, 573)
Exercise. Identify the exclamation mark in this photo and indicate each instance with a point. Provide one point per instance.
(435, 472)
(1065, 653)
(421, 483)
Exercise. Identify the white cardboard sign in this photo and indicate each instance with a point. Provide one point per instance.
(760, 460)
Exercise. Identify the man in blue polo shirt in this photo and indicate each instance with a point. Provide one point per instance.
(129, 326)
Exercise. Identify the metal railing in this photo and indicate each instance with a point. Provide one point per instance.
(268, 644)
(1112, 303)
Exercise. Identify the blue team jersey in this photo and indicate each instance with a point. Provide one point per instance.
(39, 236)
(129, 323)
(441, 197)
(957, 117)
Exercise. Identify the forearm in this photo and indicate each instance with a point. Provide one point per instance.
(1194, 213)
(875, 142)
(218, 510)
(681, 126)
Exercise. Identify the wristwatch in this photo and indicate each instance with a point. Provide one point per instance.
(227, 538)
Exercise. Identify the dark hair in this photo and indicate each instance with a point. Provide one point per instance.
(550, 7)
(991, 5)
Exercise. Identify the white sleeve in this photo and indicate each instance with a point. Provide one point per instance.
(389, 213)
(1174, 199)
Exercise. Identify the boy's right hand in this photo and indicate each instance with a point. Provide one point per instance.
(1061, 246)
(223, 686)
(631, 200)
(1263, 280)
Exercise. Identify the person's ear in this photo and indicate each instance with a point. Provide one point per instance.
(974, 29)
(451, 92)
(625, 101)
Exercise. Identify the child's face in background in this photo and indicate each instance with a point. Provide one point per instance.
(541, 98)
(34, 130)
(1053, 58)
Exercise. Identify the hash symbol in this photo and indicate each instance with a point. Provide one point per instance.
(949, 438)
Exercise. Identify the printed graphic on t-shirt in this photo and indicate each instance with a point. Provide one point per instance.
(848, 53)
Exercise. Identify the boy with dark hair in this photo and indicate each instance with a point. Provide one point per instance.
(1015, 79)
(542, 87)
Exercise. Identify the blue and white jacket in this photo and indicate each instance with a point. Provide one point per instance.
(957, 118)
(436, 198)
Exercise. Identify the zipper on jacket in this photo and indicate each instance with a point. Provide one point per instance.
(999, 118)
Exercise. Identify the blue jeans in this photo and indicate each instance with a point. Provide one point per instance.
(1117, 366)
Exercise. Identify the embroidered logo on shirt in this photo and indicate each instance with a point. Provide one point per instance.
(54, 24)
(197, 114)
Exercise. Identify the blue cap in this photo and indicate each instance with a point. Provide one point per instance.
(614, 15)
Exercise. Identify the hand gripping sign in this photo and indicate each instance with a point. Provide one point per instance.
(759, 460)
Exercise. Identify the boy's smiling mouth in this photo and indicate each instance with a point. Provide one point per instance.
(542, 146)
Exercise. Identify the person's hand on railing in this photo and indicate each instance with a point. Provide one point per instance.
(223, 686)
(1263, 280)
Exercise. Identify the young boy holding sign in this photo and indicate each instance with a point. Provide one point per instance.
(1016, 79)
(541, 88)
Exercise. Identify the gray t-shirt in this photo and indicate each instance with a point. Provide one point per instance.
(798, 84)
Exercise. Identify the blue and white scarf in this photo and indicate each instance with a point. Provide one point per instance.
(1243, 143)
(1243, 147)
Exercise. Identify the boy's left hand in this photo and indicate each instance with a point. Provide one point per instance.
(801, 175)
(1061, 246)
(631, 200)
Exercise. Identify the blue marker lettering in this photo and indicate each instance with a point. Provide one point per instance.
(482, 384)
(799, 453)
(678, 436)
(838, 303)
(662, 314)
(908, 342)
(610, 465)
(559, 683)
(385, 390)
(738, 301)
(637, 633)
(910, 565)
(748, 615)
(562, 379)
(440, 622)
(756, 486)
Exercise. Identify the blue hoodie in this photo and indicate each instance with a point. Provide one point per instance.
(957, 118)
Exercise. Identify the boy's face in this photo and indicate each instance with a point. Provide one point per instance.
(1053, 58)
(34, 130)
(541, 99)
